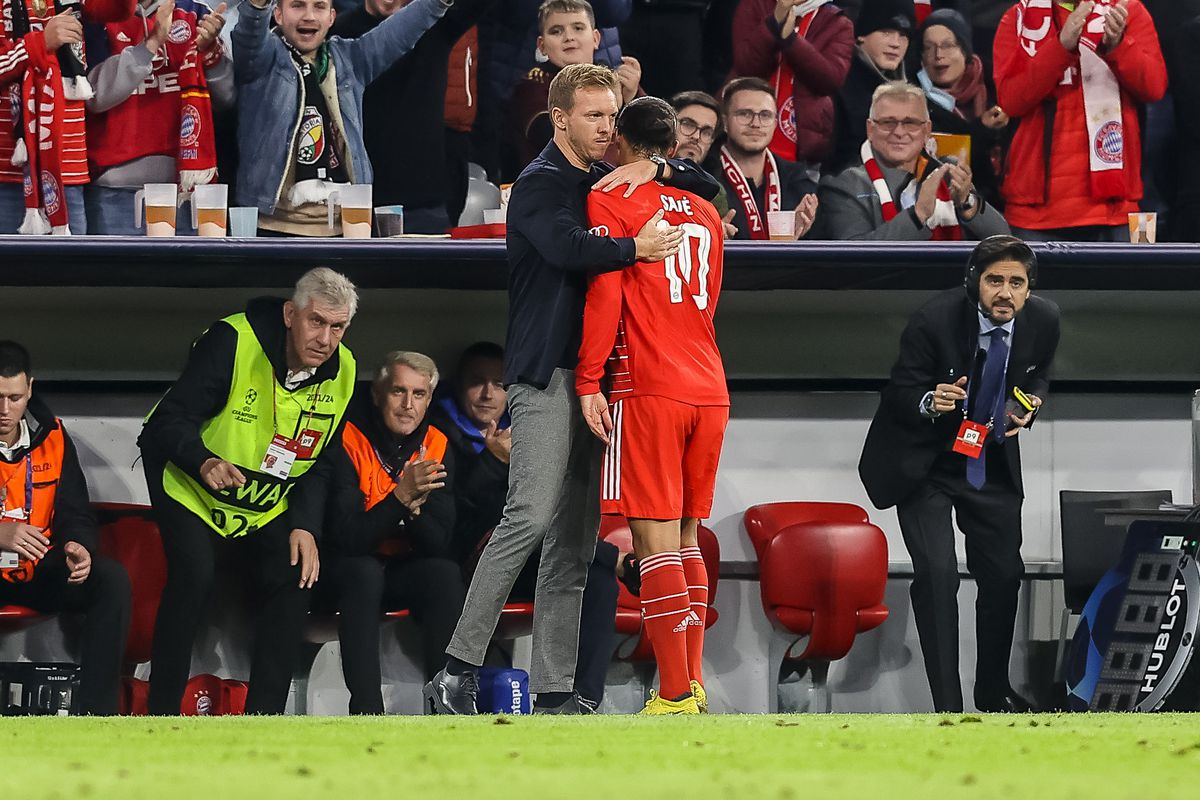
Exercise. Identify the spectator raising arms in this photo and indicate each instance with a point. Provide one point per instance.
(300, 128)
(34, 44)
(804, 48)
(404, 113)
(1074, 80)
(151, 117)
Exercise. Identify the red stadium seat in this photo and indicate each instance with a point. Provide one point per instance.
(614, 529)
(764, 521)
(14, 618)
(129, 535)
(822, 580)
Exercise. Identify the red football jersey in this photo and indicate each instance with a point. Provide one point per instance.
(652, 324)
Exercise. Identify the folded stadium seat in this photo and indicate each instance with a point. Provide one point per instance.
(129, 535)
(635, 646)
(822, 583)
(14, 618)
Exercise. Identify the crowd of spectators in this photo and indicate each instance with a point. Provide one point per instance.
(1046, 117)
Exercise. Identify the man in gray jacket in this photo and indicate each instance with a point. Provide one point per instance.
(300, 102)
(897, 192)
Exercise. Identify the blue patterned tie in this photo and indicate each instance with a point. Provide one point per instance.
(988, 403)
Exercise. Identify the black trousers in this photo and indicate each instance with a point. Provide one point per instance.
(104, 601)
(431, 588)
(597, 632)
(195, 553)
(990, 519)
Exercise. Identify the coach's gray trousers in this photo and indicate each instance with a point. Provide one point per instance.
(553, 500)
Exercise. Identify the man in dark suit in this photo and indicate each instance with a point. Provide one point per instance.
(952, 387)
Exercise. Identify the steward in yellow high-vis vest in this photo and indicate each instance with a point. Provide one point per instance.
(237, 465)
(49, 557)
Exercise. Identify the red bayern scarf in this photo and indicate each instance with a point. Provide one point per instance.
(944, 221)
(741, 187)
(196, 159)
(1102, 106)
(41, 112)
(783, 143)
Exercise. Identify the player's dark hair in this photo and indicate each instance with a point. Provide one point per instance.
(14, 360)
(1000, 247)
(648, 124)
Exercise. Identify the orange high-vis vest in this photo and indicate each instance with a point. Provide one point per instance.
(374, 481)
(47, 462)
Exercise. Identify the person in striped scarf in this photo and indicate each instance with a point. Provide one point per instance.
(897, 192)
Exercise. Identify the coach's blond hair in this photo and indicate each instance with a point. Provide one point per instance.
(574, 77)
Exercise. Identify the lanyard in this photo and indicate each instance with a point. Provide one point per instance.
(312, 409)
(28, 508)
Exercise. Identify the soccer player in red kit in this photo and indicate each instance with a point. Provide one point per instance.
(648, 332)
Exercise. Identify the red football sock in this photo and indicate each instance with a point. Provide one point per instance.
(697, 583)
(666, 614)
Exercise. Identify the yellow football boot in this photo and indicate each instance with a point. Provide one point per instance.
(658, 705)
(701, 697)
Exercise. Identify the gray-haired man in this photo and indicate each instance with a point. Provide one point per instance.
(232, 460)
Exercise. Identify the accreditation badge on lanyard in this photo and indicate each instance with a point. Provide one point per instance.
(8, 558)
(971, 436)
(283, 451)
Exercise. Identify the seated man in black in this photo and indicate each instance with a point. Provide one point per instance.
(391, 524)
(473, 414)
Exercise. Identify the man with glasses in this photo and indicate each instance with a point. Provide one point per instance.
(882, 30)
(757, 182)
(897, 192)
(699, 116)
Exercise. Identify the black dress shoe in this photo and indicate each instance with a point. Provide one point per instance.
(1010, 703)
(452, 694)
(575, 705)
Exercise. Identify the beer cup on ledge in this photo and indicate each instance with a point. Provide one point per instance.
(781, 225)
(159, 199)
(209, 204)
(355, 201)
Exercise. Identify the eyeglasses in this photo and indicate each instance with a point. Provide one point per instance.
(689, 127)
(746, 116)
(906, 125)
(934, 49)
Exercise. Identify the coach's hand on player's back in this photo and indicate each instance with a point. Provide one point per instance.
(657, 239)
(596, 415)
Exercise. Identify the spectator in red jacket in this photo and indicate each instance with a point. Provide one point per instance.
(157, 77)
(1074, 80)
(803, 48)
(29, 42)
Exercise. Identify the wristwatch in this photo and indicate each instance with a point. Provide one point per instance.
(662, 166)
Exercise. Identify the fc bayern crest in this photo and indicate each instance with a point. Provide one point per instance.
(1110, 143)
(189, 126)
(787, 119)
(51, 196)
(180, 32)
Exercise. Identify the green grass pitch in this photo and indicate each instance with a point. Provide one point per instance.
(804, 756)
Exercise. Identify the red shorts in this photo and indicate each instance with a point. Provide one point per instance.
(661, 460)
